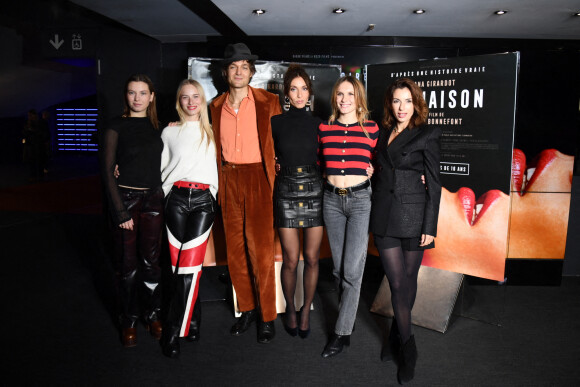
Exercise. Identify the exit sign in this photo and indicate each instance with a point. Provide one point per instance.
(69, 42)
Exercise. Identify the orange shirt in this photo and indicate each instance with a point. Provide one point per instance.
(239, 132)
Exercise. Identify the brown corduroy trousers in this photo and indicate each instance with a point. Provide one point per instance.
(248, 218)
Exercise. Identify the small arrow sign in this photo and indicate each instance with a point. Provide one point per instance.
(56, 43)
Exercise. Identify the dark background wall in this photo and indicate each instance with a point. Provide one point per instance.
(31, 77)
(34, 76)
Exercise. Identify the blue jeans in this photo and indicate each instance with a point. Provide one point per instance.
(347, 223)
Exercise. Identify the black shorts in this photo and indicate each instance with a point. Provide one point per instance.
(409, 244)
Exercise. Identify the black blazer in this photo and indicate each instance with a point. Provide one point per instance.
(401, 205)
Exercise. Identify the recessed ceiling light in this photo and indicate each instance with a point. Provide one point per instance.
(419, 11)
(501, 12)
(339, 10)
(259, 11)
(577, 14)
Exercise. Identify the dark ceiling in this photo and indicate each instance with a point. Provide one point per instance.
(196, 20)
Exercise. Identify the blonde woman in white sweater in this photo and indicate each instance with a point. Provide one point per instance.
(190, 183)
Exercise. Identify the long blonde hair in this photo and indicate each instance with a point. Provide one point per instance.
(205, 126)
(362, 111)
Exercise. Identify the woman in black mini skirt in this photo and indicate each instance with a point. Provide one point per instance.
(298, 195)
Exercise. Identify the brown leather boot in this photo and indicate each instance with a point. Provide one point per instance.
(153, 324)
(129, 337)
(155, 328)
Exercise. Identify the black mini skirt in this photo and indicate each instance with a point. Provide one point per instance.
(298, 197)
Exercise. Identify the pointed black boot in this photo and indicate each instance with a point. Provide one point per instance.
(170, 342)
(407, 361)
(391, 347)
(335, 345)
(195, 324)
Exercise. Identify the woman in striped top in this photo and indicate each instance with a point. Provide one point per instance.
(347, 141)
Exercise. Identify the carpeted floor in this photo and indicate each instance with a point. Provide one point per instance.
(61, 330)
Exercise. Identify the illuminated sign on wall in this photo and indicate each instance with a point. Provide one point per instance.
(77, 129)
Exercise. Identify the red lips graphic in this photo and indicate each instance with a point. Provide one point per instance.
(518, 170)
(469, 203)
(521, 184)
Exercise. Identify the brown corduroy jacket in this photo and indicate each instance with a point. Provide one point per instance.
(267, 105)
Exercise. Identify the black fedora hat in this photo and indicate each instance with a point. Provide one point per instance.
(237, 51)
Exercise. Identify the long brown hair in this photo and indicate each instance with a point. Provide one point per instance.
(420, 110)
(296, 71)
(360, 98)
(152, 108)
(205, 126)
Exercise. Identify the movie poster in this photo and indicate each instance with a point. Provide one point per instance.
(540, 204)
(269, 76)
(473, 101)
(546, 140)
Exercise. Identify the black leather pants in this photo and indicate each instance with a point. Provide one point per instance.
(137, 255)
(189, 215)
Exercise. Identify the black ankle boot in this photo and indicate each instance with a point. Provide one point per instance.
(335, 345)
(391, 347)
(195, 324)
(170, 342)
(407, 361)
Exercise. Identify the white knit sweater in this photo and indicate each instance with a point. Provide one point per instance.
(185, 157)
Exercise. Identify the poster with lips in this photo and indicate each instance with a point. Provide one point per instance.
(473, 101)
(270, 76)
(540, 203)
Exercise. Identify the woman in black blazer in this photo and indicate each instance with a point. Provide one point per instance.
(404, 209)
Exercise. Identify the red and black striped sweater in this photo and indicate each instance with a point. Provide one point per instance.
(345, 149)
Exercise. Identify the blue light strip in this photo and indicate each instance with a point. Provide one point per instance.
(76, 128)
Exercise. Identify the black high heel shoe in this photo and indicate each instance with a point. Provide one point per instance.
(304, 333)
(291, 331)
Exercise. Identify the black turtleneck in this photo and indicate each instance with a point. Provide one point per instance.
(295, 136)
